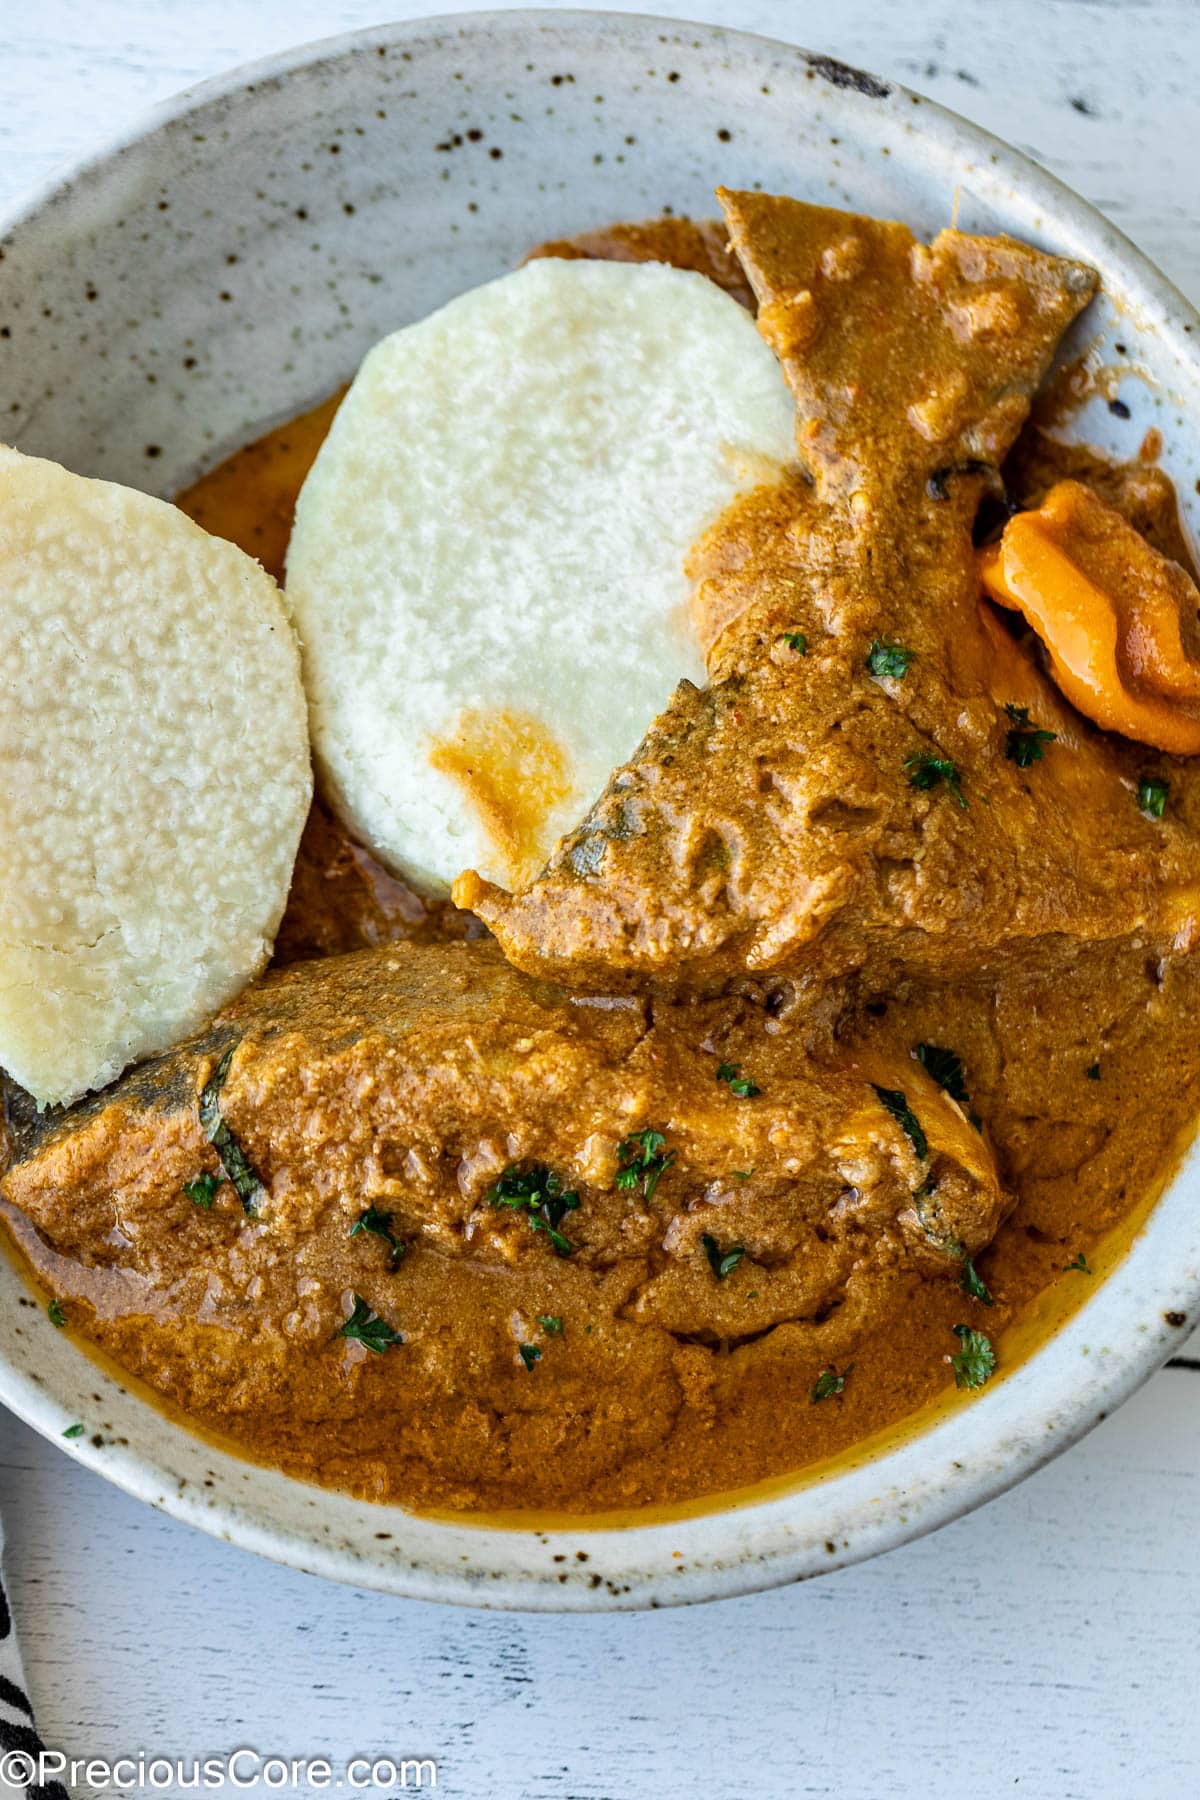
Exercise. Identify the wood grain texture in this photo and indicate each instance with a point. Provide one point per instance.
(1048, 1645)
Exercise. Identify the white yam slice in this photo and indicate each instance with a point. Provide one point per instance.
(487, 569)
(155, 775)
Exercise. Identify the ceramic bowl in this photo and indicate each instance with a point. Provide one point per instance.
(229, 261)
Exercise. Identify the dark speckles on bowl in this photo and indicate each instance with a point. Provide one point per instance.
(245, 248)
(843, 76)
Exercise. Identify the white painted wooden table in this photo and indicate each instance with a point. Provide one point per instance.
(1049, 1645)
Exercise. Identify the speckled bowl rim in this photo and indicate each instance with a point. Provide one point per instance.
(1095, 1361)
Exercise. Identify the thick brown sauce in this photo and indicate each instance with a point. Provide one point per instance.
(1086, 1122)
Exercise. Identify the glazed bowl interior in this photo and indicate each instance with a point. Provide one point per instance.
(228, 263)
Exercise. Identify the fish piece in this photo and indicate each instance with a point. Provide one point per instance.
(812, 810)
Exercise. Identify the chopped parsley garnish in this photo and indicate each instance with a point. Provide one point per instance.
(1093, 1073)
(1078, 1261)
(643, 1158)
(722, 1262)
(203, 1190)
(1152, 795)
(536, 1192)
(55, 1313)
(970, 1283)
(1025, 741)
(796, 640)
(925, 771)
(232, 1157)
(889, 661)
(367, 1328)
(947, 1070)
(893, 1100)
(829, 1383)
(975, 1363)
(739, 1084)
(550, 1323)
(742, 1174)
(379, 1224)
(529, 1354)
(74, 1431)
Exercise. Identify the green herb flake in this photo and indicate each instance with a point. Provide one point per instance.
(74, 1431)
(1025, 742)
(1079, 1262)
(796, 640)
(550, 1323)
(203, 1190)
(55, 1313)
(975, 1364)
(538, 1193)
(529, 1354)
(894, 1101)
(926, 771)
(1152, 795)
(970, 1283)
(829, 1383)
(722, 1262)
(738, 1084)
(947, 1070)
(379, 1224)
(645, 1158)
(889, 662)
(742, 1174)
(249, 1189)
(367, 1328)
(1093, 1073)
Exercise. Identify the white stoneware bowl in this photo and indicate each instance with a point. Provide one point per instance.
(226, 263)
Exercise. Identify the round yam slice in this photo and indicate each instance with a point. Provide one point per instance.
(155, 775)
(488, 565)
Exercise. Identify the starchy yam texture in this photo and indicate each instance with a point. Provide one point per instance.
(487, 568)
(155, 775)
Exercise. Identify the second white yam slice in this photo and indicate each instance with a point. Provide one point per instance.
(155, 774)
(487, 568)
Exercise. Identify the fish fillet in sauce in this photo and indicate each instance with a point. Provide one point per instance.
(847, 933)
